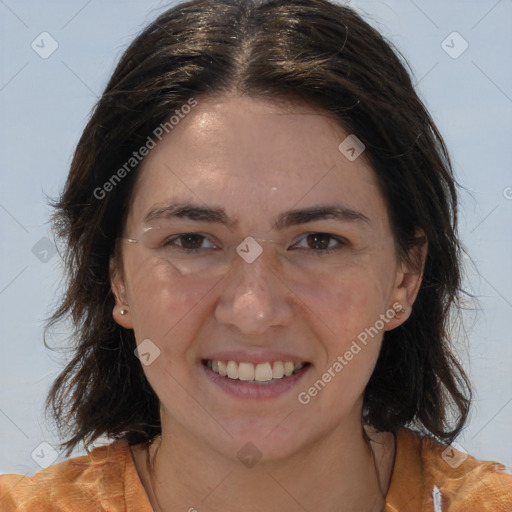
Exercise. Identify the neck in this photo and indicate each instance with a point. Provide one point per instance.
(336, 474)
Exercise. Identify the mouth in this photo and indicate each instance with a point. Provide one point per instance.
(265, 380)
(262, 373)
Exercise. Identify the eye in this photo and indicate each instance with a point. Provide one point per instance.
(322, 243)
(187, 242)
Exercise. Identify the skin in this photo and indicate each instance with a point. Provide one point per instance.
(257, 159)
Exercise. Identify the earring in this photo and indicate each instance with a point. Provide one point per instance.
(123, 311)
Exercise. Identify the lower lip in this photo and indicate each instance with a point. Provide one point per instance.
(254, 390)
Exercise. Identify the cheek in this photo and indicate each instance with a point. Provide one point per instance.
(351, 341)
(348, 301)
(159, 302)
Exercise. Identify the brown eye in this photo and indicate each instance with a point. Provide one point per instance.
(187, 242)
(191, 241)
(319, 240)
(321, 243)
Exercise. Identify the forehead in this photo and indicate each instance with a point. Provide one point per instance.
(255, 159)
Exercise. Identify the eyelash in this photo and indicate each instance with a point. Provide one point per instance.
(319, 252)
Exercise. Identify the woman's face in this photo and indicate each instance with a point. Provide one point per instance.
(284, 295)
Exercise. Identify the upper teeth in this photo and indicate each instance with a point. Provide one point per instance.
(260, 372)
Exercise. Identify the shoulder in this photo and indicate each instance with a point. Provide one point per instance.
(427, 471)
(91, 482)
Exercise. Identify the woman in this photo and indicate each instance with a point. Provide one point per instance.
(263, 262)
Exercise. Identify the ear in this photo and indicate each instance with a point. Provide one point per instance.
(121, 312)
(408, 282)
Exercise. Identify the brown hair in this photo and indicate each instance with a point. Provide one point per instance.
(305, 50)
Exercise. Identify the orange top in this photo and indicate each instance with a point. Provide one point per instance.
(106, 481)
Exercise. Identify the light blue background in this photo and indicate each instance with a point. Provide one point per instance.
(44, 105)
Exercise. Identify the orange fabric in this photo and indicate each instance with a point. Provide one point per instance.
(103, 481)
(106, 481)
(474, 486)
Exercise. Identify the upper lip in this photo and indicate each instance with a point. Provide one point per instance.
(242, 356)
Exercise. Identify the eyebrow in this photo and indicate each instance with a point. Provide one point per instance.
(285, 219)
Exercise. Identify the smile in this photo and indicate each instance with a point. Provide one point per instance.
(262, 372)
(254, 381)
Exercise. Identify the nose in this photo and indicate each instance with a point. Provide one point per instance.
(254, 297)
